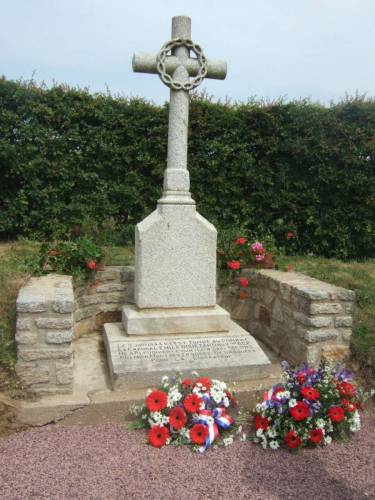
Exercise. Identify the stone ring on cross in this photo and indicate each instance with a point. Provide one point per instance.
(161, 67)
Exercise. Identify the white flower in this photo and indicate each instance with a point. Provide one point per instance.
(292, 403)
(355, 425)
(194, 374)
(259, 432)
(272, 432)
(264, 443)
(164, 380)
(327, 440)
(228, 440)
(226, 402)
(320, 423)
(274, 445)
(149, 391)
(258, 407)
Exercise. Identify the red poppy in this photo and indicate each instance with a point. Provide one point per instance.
(347, 405)
(91, 264)
(261, 422)
(310, 393)
(177, 418)
(205, 381)
(244, 282)
(346, 389)
(234, 264)
(336, 414)
(192, 403)
(199, 433)
(316, 435)
(243, 295)
(158, 436)
(300, 411)
(292, 440)
(289, 235)
(241, 241)
(156, 401)
(187, 382)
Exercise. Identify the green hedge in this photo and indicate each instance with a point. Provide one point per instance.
(75, 163)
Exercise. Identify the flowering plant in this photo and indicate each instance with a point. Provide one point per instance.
(189, 411)
(309, 408)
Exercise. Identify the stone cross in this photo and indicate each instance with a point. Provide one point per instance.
(175, 70)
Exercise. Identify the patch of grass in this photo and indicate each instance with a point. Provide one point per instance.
(118, 256)
(17, 262)
(359, 277)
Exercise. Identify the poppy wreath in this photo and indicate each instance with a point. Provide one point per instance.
(310, 408)
(196, 411)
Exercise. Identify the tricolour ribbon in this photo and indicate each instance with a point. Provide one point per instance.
(213, 420)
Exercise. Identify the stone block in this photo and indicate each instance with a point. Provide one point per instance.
(321, 334)
(111, 287)
(277, 310)
(59, 336)
(84, 326)
(175, 259)
(241, 310)
(268, 296)
(116, 298)
(26, 337)
(64, 373)
(173, 321)
(312, 293)
(345, 294)
(127, 275)
(86, 312)
(325, 308)
(44, 354)
(343, 321)
(346, 333)
(230, 356)
(316, 321)
(32, 373)
(24, 323)
(55, 323)
(285, 291)
(88, 300)
(335, 353)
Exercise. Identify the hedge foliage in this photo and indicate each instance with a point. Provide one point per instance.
(75, 163)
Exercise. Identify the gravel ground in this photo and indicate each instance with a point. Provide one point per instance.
(109, 462)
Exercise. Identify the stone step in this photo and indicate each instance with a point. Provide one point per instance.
(140, 361)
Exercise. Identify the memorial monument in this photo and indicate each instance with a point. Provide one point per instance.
(175, 323)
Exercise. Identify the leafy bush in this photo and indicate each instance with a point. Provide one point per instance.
(91, 165)
(79, 258)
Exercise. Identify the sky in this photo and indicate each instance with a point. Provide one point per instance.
(317, 49)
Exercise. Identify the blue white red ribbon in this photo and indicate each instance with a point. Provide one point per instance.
(213, 420)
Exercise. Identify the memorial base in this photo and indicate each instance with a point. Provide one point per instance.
(140, 361)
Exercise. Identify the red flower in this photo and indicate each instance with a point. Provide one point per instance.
(346, 389)
(187, 382)
(177, 418)
(158, 436)
(244, 282)
(310, 393)
(205, 381)
(156, 401)
(292, 440)
(91, 264)
(336, 414)
(234, 264)
(261, 422)
(300, 411)
(232, 399)
(243, 295)
(315, 436)
(199, 433)
(241, 241)
(289, 235)
(301, 377)
(192, 403)
(347, 405)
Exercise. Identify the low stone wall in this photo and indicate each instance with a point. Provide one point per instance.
(300, 318)
(101, 302)
(44, 334)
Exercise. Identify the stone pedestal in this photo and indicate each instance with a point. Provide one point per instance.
(140, 362)
(175, 259)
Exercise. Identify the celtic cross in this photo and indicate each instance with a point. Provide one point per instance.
(181, 73)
